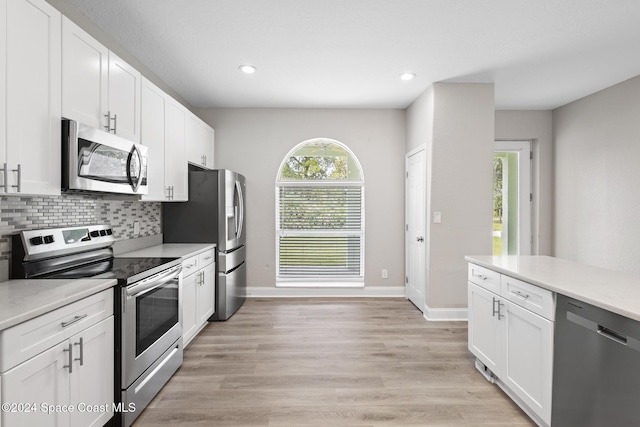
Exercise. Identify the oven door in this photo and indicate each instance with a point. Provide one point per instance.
(150, 321)
(96, 160)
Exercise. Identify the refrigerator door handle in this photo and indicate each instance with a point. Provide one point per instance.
(240, 221)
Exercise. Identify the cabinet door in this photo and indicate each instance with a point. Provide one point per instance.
(209, 144)
(175, 164)
(206, 290)
(485, 327)
(3, 91)
(43, 379)
(194, 138)
(91, 382)
(189, 326)
(84, 77)
(33, 96)
(124, 98)
(152, 135)
(528, 357)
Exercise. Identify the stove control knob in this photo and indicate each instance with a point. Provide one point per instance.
(95, 233)
(109, 232)
(48, 239)
(35, 241)
(103, 232)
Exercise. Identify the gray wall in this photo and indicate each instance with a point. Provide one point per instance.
(597, 176)
(456, 123)
(537, 127)
(254, 141)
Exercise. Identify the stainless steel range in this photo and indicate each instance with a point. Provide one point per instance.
(148, 338)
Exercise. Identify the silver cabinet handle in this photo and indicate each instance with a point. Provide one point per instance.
(115, 123)
(5, 172)
(70, 365)
(497, 302)
(172, 192)
(480, 276)
(108, 126)
(205, 160)
(521, 295)
(72, 321)
(201, 278)
(19, 170)
(81, 358)
(169, 192)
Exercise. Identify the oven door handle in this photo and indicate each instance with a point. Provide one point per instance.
(153, 282)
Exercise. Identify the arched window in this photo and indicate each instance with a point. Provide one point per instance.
(320, 216)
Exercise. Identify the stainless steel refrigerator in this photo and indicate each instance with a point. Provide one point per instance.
(215, 213)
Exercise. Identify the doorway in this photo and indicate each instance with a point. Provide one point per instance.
(512, 198)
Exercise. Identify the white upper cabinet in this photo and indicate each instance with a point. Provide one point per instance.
(175, 151)
(99, 88)
(200, 142)
(124, 98)
(163, 131)
(30, 55)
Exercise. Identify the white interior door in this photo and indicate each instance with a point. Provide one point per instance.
(415, 286)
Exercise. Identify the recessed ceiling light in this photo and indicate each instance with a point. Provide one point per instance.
(247, 69)
(407, 76)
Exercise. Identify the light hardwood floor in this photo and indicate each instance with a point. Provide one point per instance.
(330, 362)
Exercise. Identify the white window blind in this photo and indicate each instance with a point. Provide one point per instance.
(320, 231)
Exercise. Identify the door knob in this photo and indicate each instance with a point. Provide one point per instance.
(420, 239)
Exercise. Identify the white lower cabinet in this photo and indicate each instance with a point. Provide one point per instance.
(198, 293)
(514, 343)
(69, 383)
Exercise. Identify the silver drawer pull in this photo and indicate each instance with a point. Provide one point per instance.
(81, 358)
(480, 276)
(72, 321)
(70, 365)
(521, 295)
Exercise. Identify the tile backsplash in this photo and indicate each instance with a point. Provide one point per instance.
(71, 209)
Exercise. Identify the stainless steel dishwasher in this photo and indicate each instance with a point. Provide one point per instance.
(596, 368)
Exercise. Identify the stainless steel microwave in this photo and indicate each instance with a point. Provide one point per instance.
(95, 160)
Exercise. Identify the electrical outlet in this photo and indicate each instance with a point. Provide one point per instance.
(437, 217)
(385, 274)
(136, 228)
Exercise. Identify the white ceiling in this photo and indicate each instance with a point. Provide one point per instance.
(350, 53)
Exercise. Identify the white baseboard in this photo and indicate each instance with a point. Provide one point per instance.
(369, 292)
(446, 314)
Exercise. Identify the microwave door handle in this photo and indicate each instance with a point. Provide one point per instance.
(241, 206)
(134, 185)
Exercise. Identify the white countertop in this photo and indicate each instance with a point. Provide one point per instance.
(169, 250)
(21, 300)
(611, 290)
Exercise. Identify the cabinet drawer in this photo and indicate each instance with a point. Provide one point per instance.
(531, 297)
(485, 278)
(34, 336)
(206, 258)
(190, 266)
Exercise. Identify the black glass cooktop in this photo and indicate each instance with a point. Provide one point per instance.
(125, 270)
